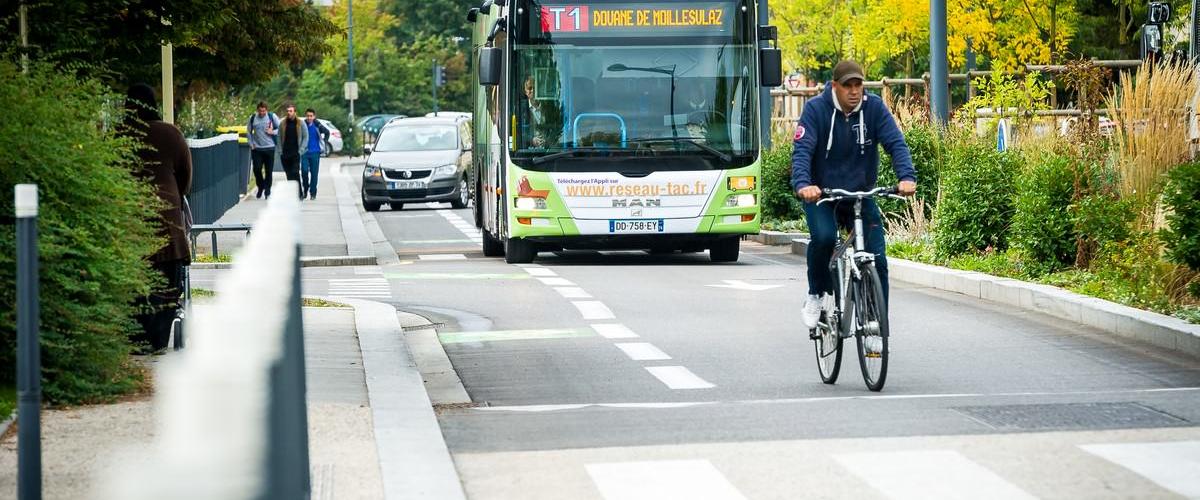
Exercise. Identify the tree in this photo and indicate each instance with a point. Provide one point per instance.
(216, 41)
(437, 18)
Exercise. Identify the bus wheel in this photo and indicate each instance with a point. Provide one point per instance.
(492, 247)
(725, 250)
(518, 251)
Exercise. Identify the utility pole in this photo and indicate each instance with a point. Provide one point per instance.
(29, 367)
(351, 95)
(939, 82)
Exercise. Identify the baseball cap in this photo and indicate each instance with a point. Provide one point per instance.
(847, 70)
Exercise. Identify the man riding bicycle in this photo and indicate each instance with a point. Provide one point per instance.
(849, 124)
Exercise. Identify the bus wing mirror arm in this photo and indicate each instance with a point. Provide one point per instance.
(489, 66)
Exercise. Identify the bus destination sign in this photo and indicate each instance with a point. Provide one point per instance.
(634, 19)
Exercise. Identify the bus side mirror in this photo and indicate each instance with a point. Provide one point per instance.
(489, 66)
(770, 67)
(486, 7)
(472, 15)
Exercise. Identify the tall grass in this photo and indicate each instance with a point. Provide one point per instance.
(1150, 108)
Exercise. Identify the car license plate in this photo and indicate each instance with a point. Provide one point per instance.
(635, 226)
(406, 185)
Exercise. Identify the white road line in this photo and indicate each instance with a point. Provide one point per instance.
(1174, 466)
(555, 282)
(928, 475)
(443, 256)
(526, 266)
(358, 280)
(691, 479)
(614, 331)
(678, 377)
(579, 406)
(592, 309)
(573, 292)
(642, 351)
(368, 270)
(540, 271)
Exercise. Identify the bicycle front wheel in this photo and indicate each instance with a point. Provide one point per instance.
(870, 313)
(828, 344)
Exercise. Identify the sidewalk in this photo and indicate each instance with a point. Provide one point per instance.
(372, 430)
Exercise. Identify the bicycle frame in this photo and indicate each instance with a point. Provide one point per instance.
(842, 255)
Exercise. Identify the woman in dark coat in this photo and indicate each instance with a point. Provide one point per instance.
(167, 164)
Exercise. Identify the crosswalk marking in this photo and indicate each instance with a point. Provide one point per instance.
(555, 282)
(1174, 466)
(540, 271)
(573, 292)
(928, 475)
(593, 309)
(690, 479)
(443, 256)
(360, 287)
(678, 377)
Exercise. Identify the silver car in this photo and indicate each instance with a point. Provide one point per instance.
(334, 144)
(419, 160)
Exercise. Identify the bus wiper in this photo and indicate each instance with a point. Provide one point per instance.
(538, 160)
(725, 157)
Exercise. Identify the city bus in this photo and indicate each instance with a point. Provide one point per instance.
(616, 125)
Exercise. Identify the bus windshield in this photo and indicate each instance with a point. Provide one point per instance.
(622, 86)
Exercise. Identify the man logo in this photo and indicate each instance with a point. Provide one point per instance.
(636, 202)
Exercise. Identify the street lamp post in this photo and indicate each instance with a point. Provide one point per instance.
(350, 44)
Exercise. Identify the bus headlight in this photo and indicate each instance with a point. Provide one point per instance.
(445, 171)
(527, 203)
(740, 200)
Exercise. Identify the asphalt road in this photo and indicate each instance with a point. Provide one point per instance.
(623, 375)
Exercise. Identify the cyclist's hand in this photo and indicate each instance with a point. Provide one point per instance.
(809, 193)
(907, 188)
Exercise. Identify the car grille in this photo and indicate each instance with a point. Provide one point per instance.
(396, 175)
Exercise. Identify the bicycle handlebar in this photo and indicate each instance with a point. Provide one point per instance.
(841, 194)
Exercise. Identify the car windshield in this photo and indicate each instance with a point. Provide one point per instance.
(417, 138)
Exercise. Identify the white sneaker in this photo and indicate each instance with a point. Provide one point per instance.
(812, 311)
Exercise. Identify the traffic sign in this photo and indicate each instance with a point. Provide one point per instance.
(350, 89)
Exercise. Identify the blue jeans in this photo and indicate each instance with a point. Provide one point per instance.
(310, 167)
(822, 228)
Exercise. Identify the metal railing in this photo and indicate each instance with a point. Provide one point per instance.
(220, 174)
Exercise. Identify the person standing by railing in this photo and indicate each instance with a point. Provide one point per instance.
(167, 164)
(261, 132)
(310, 163)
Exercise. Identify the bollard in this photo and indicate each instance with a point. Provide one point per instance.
(29, 377)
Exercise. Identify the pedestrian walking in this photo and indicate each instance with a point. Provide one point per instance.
(310, 163)
(261, 132)
(167, 164)
(293, 141)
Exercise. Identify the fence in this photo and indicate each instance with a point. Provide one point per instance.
(230, 409)
(789, 103)
(220, 173)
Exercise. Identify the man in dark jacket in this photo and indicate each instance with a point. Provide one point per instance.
(293, 141)
(836, 147)
(167, 164)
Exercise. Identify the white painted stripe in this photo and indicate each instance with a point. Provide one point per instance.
(614, 331)
(928, 475)
(678, 377)
(358, 280)
(573, 292)
(433, 204)
(527, 265)
(642, 351)
(555, 281)
(361, 295)
(1174, 466)
(363, 287)
(629, 406)
(540, 271)
(443, 256)
(593, 309)
(367, 270)
(690, 479)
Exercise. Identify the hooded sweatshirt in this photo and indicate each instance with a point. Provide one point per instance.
(836, 150)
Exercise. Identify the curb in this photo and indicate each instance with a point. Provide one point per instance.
(353, 230)
(7, 424)
(413, 458)
(441, 380)
(774, 238)
(1150, 327)
(334, 261)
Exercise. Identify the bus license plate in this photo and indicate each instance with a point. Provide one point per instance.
(635, 226)
(406, 185)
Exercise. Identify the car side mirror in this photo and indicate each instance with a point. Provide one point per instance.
(489, 66)
(367, 150)
(770, 66)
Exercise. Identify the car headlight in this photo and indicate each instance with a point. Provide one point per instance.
(372, 171)
(445, 171)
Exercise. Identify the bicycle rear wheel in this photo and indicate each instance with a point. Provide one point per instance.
(872, 328)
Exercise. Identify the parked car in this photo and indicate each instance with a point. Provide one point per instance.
(449, 114)
(334, 144)
(370, 126)
(418, 160)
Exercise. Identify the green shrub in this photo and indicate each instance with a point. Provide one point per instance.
(976, 197)
(94, 227)
(1133, 273)
(925, 144)
(1042, 227)
(778, 201)
(201, 113)
(1182, 200)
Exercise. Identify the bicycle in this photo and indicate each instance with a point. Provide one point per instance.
(859, 309)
